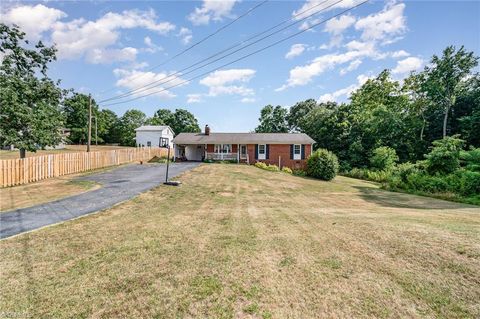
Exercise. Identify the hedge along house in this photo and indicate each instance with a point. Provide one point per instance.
(281, 149)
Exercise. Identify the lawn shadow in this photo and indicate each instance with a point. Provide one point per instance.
(402, 200)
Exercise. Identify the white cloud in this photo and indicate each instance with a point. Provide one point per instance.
(151, 47)
(351, 67)
(133, 79)
(78, 37)
(98, 56)
(248, 100)
(33, 20)
(295, 50)
(332, 97)
(384, 24)
(302, 75)
(338, 25)
(84, 38)
(229, 82)
(400, 54)
(186, 35)
(194, 98)
(407, 65)
(211, 10)
(313, 6)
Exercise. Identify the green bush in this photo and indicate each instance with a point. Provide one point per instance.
(322, 164)
(468, 182)
(299, 172)
(444, 158)
(287, 170)
(383, 158)
(272, 168)
(471, 159)
(366, 174)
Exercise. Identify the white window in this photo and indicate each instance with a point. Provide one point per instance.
(262, 149)
(297, 151)
(223, 148)
(163, 142)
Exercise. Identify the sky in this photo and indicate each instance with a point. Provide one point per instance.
(108, 48)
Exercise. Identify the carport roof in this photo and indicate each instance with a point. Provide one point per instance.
(243, 138)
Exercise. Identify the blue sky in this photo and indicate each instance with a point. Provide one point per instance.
(107, 48)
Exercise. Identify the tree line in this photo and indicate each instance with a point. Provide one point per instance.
(407, 116)
(34, 109)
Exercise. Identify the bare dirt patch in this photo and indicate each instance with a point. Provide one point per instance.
(343, 249)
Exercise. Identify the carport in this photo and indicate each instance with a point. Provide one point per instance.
(189, 152)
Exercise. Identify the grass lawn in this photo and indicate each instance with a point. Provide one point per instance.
(43, 191)
(68, 149)
(240, 242)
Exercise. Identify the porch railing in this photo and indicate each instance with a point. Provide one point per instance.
(221, 156)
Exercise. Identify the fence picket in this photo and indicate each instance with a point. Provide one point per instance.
(31, 169)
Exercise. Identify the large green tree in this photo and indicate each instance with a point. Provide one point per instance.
(273, 120)
(298, 113)
(131, 120)
(180, 121)
(444, 79)
(30, 112)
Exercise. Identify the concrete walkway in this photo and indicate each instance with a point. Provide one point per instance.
(119, 184)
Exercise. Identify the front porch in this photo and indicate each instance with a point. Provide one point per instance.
(212, 152)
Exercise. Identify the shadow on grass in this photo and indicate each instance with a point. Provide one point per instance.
(402, 200)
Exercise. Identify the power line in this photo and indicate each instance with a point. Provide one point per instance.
(243, 57)
(160, 81)
(201, 41)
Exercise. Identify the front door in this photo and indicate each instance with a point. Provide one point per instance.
(243, 151)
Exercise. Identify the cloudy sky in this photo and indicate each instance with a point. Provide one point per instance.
(109, 48)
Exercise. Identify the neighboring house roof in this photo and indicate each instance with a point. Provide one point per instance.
(153, 128)
(243, 138)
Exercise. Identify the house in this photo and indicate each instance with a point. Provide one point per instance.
(154, 136)
(281, 149)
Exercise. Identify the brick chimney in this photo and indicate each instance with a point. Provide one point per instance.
(207, 130)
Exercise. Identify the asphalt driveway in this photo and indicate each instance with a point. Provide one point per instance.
(119, 184)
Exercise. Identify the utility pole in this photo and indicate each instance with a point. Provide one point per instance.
(89, 122)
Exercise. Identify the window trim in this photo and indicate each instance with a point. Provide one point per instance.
(262, 156)
(299, 155)
(221, 149)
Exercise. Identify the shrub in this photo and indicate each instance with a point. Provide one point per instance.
(468, 182)
(366, 174)
(403, 170)
(299, 172)
(383, 158)
(444, 158)
(272, 168)
(322, 164)
(287, 170)
(471, 159)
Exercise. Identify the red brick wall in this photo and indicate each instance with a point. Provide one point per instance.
(282, 151)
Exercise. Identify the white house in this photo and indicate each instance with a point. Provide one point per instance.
(154, 135)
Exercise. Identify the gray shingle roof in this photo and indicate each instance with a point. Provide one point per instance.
(243, 138)
(152, 128)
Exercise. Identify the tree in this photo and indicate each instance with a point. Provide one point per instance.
(444, 78)
(273, 120)
(383, 158)
(76, 109)
(298, 112)
(131, 120)
(30, 113)
(108, 131)
(444, 157)
(180, 121)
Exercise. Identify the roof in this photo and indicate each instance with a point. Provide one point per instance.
(243, 138)
(152, 128)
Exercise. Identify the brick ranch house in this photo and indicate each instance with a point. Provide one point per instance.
(281, 149)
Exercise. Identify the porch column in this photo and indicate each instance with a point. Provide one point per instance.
(238, 153)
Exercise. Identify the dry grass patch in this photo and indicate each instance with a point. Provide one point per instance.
(42, 192)
(340, 249)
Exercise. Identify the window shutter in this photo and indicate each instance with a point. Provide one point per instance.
(291, 151)
(303, 151)
(267, 151)
(256, 151)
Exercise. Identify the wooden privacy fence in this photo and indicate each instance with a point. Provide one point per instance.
(32, 169)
